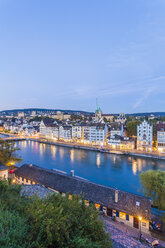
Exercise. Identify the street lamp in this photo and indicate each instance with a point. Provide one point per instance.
(140, 218)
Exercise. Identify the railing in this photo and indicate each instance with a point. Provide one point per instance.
(157, 212)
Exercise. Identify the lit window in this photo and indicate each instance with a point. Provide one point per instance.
(86, 202)
(97, 206)
(70, 197)
(122, 216)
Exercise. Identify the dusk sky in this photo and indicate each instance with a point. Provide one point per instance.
(66, 53)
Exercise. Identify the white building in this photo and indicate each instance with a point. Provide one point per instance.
(45, 130)
(120, 142)
(48, 130)
(56, 132)
(65, 133)
(77, 132)
(116, 129)
(95, 134)
(161, 136)
(121, 118)
(21, 115)
(144, 136)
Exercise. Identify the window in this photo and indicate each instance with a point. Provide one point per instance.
(144, 224)
(122, 216)
(86, 202)
(97, 206)
(127, 217)
(70, 197)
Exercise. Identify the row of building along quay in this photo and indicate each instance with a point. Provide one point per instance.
(104, 131)
(97, 130)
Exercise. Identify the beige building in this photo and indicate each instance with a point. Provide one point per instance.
(61, 116)
(108, 117)
(3, 172)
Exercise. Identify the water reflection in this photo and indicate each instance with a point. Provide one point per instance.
(114, 159)
(53, 152)
(42, 149)
(61, 151)
(72, 155)
(110, 170)
(98, 161)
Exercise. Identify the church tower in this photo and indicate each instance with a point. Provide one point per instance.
(98, 112)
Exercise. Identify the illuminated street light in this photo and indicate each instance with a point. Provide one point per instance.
(140, 219)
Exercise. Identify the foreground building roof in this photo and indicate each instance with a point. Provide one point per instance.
(132, 204)
(3, 167)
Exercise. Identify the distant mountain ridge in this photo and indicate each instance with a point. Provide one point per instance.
(157, 114)
(37, 110)
(44, 110)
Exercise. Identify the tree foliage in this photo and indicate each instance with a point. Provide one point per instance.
(153, 183)
(62, 223)
(13, 221)
(52, 222)
(132, 127)
(8, 152)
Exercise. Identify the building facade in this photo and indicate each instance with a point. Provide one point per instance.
(65, 133)
(77, 133)
(95, 134)
(3, 172)
(144, 136)
(121, 143)
(161, 136)
(121, 118)
(116, 129)
(48, 130)
(126, 207)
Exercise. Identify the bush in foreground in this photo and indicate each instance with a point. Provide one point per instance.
(52, 222)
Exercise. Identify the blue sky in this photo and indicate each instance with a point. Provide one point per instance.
(65, 53)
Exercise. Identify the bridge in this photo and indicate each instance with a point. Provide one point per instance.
(12, 139)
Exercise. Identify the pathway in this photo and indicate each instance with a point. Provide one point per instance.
(126, 237)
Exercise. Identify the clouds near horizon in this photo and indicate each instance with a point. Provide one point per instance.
(64, 54)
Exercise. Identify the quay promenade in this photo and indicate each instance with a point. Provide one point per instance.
(102, 149)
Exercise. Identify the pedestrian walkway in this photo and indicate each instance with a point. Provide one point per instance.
(126, 237)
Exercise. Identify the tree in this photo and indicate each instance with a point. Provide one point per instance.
(52, 222)
(105, 119)
(13, 220)
(59, 222)
(132, 127)
(153, 183)
(13, 229)
(8, 152)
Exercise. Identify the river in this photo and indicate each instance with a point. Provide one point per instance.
(111, 170)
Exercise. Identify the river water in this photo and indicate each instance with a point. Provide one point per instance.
(110, 170)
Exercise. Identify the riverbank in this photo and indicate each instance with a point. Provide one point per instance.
(104, 149)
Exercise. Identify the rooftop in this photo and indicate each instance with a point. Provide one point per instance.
(132, 204)
(3, 167)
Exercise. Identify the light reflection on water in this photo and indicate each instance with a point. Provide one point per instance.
(110, 170)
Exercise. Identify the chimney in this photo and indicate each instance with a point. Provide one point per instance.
(116, 196)
(72, 173)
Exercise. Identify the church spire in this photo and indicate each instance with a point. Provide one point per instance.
(96, 105)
